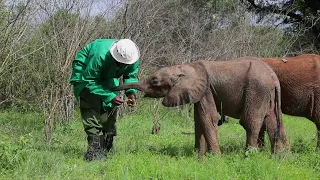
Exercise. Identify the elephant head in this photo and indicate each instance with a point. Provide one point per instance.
(177, 85)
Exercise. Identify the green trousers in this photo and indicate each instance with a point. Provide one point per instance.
(95, 120)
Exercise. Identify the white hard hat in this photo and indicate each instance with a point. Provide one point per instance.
(125, 51)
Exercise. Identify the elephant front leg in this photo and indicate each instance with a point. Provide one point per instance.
(210, 140)
(200, 142)
(206, 121)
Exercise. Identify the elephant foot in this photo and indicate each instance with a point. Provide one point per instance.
(286, 144)
(260, 145)
(251, 150)
(202, 153)
(155, 130)
(281, 147)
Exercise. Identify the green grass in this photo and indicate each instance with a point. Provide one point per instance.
(140, 155)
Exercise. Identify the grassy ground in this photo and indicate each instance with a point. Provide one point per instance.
(140, 155)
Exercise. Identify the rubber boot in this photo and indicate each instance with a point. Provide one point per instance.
(108, 142)
(103, 143)
(95, 150)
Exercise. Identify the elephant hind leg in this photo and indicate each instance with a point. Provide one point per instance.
(252, 118)
(254, 112)
(261, 136)
(318, 133)
(316, 118)
(271, 128)
(317, 123)
(252, 127)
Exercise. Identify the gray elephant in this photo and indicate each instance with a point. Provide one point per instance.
(249, 90)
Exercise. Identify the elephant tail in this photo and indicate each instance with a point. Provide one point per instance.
(278, 110)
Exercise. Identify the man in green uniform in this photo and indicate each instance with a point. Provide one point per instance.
(95, 70)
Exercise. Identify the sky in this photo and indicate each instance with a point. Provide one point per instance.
(101, 6)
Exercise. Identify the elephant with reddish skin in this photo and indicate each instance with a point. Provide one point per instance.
(248, 89)
(299, 78)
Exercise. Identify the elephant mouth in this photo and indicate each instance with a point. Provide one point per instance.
(153, 96)
(155, 93)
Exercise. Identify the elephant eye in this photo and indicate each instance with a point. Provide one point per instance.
(155, 82)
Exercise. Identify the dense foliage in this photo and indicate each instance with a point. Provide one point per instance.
(40, 39)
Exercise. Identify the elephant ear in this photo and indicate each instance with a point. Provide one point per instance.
(188, 85)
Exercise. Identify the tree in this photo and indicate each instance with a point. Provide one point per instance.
(301, 18)
(14, 28)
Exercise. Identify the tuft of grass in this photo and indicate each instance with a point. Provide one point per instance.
(140, 155)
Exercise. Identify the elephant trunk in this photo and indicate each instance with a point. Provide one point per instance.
(141, 86)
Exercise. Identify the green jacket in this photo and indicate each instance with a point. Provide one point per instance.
(95, 69)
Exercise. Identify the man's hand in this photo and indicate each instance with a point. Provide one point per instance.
(117, 101)
(131, 100)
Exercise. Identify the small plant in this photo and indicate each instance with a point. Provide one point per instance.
(12, 153)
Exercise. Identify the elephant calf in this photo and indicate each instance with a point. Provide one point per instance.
(249, 90)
